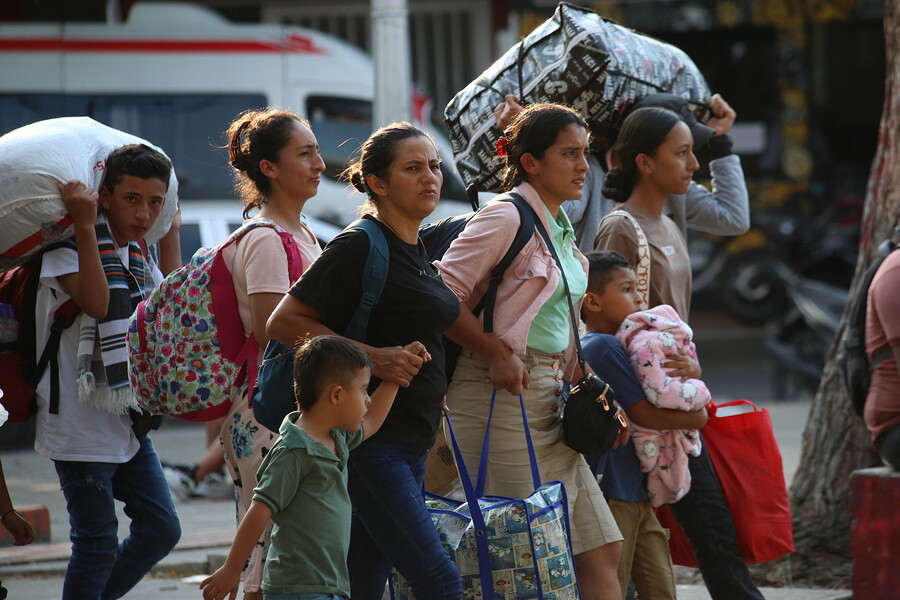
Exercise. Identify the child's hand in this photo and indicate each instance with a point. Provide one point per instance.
(223, 582)
(19, 528)
(685, 367)
(418, 348)
(396, 364)
(80, 201)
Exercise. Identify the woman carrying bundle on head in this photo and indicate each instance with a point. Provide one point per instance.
(532, 348)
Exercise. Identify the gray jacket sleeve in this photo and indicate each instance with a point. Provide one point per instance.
(586, 213)
(724, 211)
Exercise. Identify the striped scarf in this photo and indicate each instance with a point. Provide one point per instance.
(103, 368)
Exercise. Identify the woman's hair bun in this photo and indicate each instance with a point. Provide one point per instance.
(356, 179)
(619, 184)
(240, 160)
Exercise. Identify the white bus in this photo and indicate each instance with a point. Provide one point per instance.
(177, 74)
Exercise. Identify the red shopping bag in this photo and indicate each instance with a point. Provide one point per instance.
(748, 463)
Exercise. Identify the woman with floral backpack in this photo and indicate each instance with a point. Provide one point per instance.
(277, 166)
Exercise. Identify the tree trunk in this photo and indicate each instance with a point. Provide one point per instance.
(835, 441)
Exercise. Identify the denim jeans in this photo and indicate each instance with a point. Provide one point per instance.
(99, 566)
(707, 522)
(391, 526)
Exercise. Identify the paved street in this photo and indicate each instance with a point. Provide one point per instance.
(733, 366)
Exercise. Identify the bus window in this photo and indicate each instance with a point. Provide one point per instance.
(18, 110)
(189, 128)
(341, 126)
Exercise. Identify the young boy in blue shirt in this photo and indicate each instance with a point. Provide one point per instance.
(612, 296)
(303, 479)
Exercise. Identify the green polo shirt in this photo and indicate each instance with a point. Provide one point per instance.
(305, 485)
(549, 332)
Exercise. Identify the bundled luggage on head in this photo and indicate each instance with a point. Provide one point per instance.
(575, 58)
(33, 159)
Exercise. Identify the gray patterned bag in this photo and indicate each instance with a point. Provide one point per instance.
(576, 58)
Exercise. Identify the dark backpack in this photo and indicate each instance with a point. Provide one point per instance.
(269, 402)
(853, 362)
(275, 375)
(437, 238)
(20, 371)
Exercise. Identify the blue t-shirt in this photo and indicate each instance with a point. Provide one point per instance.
(620, 468)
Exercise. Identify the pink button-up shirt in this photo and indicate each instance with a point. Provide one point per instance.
(528, 283)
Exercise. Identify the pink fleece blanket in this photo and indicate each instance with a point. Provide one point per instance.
(650, 337)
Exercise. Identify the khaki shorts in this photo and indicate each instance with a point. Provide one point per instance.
(508, 467)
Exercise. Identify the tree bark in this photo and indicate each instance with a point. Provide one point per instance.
(835, 440)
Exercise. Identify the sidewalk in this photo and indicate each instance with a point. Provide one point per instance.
(35, 572)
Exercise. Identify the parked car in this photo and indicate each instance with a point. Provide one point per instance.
(206, 223)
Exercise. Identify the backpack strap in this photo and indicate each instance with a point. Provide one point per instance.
(523, 235)
(643, 267)
(63, 318)
(373, 278)
(574, 320)
(853, 344)
(244, 350)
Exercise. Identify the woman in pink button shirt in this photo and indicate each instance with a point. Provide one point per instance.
(532, 346)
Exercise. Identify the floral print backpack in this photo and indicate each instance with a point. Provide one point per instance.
(186, 343)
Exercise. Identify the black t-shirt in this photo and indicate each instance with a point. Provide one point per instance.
(415, 305)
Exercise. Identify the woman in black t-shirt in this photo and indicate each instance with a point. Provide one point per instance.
(399, 171)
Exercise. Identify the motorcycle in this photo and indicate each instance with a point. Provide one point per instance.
(799, 341)
(736, 272)
(743, 271)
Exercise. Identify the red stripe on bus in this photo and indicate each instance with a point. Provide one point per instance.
(293, 44)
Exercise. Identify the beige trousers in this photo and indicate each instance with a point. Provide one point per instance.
(508, 467)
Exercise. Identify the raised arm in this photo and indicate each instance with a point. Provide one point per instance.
(383, 400)
(170, 246)
(726, 209)
(88, 285)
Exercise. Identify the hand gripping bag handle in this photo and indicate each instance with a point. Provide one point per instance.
(484, 561)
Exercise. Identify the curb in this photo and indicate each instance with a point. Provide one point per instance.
(191, 555)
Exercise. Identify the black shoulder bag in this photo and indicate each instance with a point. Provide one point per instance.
(590, 421)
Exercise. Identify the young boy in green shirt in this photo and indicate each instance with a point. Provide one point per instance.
(303, 480)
